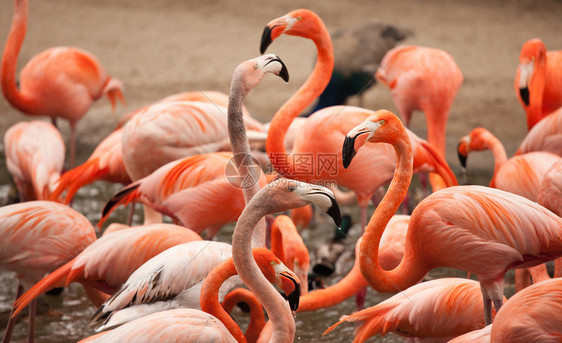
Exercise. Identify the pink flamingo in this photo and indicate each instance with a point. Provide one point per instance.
(105, 163)
(442, 308)
(532, 315)
(425, 79)
(538, 81)
(520, 174)
(315, 155)
(58, 82)
(212, 326)
(95, 267)
(280, 195)
(550, 191)
(287, 244)
(482, 230)
(475, 336)
(35, 158)
(37, 238)
(546, 135)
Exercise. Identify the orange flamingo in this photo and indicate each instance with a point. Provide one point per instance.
(442, 308)
(58, 82)
(425, 79)
(214, 325)
(105, 163)
(257, 318)
(287, 244)
(37, 238)
(538, 81)
(95, 267)
(315, 155)
(280, 195)
(532, 315)
(545, 136)
(520, 174)
(35, 158)
(482, 230)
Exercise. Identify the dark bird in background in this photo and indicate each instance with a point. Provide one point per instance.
(330, 256)
(357, 55)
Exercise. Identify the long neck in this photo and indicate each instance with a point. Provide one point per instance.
(500, 156)
(277, 308)
(257, 318)
(277, 243)
(209, 298)
(335, 294)
(10, 57)
(406, 273)
(309, 91)
(247, 170)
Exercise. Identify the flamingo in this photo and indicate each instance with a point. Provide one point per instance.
(520, 174)
(441, 308)
(35, 158)
(532, 315)
(193, 325)
(280, 195)
(538, 81)
(482, 230)
(257, 318)
(545, 136)
(95, 267)
(105, 163)
(425, 79)
(315, 155)
(58, 82)
(37, 238)
(475, 336)
(287, 244)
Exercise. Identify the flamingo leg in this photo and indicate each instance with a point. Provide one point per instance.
(131, 214)
(31, 330)
(487, 311)
(12, 321)
(72, 145)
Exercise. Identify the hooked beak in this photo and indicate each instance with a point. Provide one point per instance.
(462, 157)
(334, 212)
(283, 73)
(348, 150)
(524, 93)
(266, 38)
(292, 289)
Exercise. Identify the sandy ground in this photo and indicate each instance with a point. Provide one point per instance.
(137, 41)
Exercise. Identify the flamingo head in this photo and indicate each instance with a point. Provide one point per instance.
(301, 22)
(286, 194)
(277, 273)
(532, 52)
(380, 127)
(477, 140)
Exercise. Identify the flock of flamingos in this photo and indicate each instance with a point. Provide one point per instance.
(163, 282)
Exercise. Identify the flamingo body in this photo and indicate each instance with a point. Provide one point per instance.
(546, 135)
(35, 158)
(550, 192)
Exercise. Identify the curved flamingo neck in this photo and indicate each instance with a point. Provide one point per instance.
(209, 298)
(10, 58)
(500, 156)
(247, 170)
(257, 318)
(277, 243)
(406, 273)
(307, 93)
(277, 308)
(335, 294)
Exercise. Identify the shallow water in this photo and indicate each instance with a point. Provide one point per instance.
(70, 312)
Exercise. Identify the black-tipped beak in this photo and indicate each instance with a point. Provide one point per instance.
(524, 92)
(295, 295)
(348, 151)
(265, 39)
(334, 212)
(462, 158)
(283, 73)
